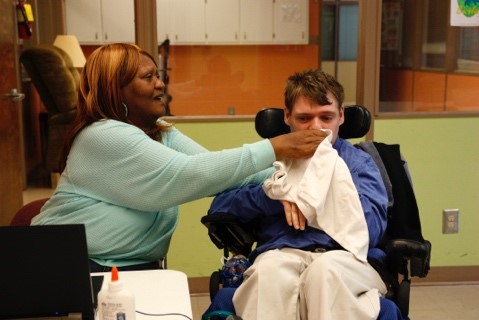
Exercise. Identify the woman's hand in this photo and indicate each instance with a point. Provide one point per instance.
(296, 145)
(294, 216)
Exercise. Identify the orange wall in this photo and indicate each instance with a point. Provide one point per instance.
(429, 91)
(462, 92)
(424, 91)
(211, 79)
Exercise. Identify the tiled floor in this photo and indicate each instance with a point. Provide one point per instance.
(454, 301)
(435, 301)
(199, 304)
(428, 302)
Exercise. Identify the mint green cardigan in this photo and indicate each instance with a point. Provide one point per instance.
(126, 188)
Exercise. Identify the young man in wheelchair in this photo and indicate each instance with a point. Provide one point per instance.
(316, 220)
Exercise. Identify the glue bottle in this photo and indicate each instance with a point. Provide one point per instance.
(115, 302)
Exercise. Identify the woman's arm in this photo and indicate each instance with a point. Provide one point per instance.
(117, 163)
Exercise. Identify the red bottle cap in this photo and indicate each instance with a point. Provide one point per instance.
(114, 274)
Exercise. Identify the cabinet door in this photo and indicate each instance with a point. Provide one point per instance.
(256, 21)
(291, 21)
(222, 21)
(118, 20)
(188, 21)
(83, 19)
(164, 19)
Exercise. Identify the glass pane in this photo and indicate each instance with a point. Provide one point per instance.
(429, 90)
(434, 37)
(461, 94)
(396, 77)
(427, 65)
(394, 26)
(348, 32)
(468, 51)
(396, 90)
(327, 32)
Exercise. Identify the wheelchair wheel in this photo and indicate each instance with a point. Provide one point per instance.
(403, 297)
(215, 282)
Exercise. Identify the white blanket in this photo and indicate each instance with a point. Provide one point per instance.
(324, 191)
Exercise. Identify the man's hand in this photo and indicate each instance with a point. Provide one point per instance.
(294, 216)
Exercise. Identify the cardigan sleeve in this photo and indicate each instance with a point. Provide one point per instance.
(117, 163)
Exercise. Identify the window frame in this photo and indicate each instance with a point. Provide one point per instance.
(418, 11)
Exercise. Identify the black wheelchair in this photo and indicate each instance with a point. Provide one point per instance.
(408, 253)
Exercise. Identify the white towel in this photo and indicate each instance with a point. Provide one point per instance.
(324, 191)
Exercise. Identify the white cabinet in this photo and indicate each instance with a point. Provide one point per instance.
(164, 18)
(256, 21)
(187, 21)
(233, 21)
(274, 21)
(222, 19)
(100, 21)
(118, 20)
(198, 21)
(291, 21)
(83, 19)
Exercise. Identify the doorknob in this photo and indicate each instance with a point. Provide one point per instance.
(14, 95)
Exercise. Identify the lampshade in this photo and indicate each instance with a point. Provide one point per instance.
(70, 45)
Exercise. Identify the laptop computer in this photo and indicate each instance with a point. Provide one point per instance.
(44, 272)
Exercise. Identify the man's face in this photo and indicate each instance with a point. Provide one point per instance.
(308, 115)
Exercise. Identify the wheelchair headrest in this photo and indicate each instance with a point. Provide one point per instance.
(269, 122)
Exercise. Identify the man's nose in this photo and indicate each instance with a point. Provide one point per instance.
(316, 124)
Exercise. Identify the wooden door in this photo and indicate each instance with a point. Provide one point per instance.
(11, 144)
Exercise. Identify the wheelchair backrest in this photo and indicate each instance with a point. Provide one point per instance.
(403, 213)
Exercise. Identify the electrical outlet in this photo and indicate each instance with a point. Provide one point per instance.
(450, 221)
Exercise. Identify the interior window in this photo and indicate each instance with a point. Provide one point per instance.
(427, 65)
(339, 43)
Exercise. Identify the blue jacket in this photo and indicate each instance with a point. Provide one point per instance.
(251, 202)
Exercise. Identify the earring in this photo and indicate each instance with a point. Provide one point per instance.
(126, 109)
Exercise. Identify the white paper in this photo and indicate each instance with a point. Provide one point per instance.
(464, 16)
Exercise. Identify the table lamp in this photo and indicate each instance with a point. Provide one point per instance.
(70, 45)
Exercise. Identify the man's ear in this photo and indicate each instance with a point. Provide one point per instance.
(341, 115)
(287, 116)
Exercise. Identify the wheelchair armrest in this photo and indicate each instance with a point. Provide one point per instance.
(417, 252)
(227, 232)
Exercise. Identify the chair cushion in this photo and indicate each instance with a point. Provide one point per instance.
(54, 77)
(24, 216)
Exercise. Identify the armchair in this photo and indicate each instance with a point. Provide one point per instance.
(56, 80)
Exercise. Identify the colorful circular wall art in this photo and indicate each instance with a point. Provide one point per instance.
(468, 7)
